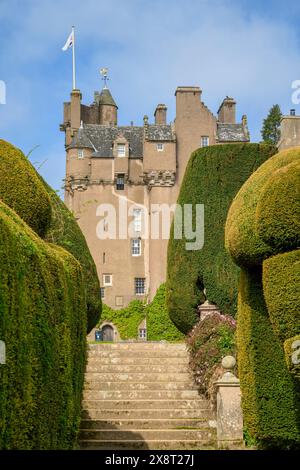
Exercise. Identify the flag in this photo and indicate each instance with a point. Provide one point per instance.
(69, 42)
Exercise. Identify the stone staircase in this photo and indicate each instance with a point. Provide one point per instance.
(141, 396)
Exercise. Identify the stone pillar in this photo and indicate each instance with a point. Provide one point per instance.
(229, 412)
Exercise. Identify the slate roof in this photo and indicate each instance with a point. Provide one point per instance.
(160, 133)
(231, 133)
(101, 138)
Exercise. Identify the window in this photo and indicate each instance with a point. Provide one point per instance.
(204, 141)
(120, 182)
(121, 150)
(142, 333)
(137, 215)
(80, 153)
(139, 285)
(136, 247)
(107, 280)
(160, 147)
(102, 292)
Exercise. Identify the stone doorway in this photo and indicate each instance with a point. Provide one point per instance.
(107, 333)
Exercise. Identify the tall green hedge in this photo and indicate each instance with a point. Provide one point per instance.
(213, 177)
(21, 189)
(269, 299)
(269, 392)
(43, 322)
(65, 231)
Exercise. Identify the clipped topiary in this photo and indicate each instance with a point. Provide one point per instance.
(159, 325)
(269, 299)
(65, 231)
(245, 244)
(21, 189)
(213, 177)
(43, 323)
(278, 211)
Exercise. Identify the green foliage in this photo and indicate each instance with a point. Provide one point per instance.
(21, 189)
(126, 319)
(281, 281)
(278, 211)
(261, 224)
(213, 177)
(242, 239)
(64, 231)
(270, 396)
(159, 325)
(208, 342)
(271, 126)
(43, 322)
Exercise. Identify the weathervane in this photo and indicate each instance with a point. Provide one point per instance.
(104, 73)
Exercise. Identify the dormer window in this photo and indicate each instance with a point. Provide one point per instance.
(80, 154)
(121, 150)
(160, 147)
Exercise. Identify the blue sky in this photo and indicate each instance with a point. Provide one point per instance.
(246, 49)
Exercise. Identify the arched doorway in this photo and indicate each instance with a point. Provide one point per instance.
(107, 333)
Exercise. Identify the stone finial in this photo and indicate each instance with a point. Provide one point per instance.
(145, 119)
(229, 363)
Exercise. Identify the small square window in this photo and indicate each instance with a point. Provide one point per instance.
(120, 182)
(80, 154)
(160, 147)
(107, 280)
(102, 292)
(121, 150)
(204, 141)
(142, 333)
(139, 284)
(136, 248)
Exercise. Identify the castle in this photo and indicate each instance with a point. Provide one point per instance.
(114, 170)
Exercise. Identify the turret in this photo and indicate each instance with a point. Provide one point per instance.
(107, 108)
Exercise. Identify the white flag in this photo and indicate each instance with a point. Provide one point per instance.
(69, 42)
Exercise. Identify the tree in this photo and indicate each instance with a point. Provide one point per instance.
(271, 126)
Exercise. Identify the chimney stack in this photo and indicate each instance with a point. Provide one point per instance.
(160, 114)
(226, 112)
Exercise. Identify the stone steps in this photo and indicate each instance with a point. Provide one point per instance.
(154, 413)
(112, 435)
(148, 445)
(124, 395)
(142, 396)
(138, 376)
(141, 404)
(142, 423)
(93, 366)
(138, 360)
(97, 385)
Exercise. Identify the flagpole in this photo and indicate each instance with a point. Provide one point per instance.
(73, 53)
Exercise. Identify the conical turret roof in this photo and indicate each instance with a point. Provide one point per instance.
(106, 98)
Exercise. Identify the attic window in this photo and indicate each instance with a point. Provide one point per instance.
(160, 147)
(121, 150)
(80, 154)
